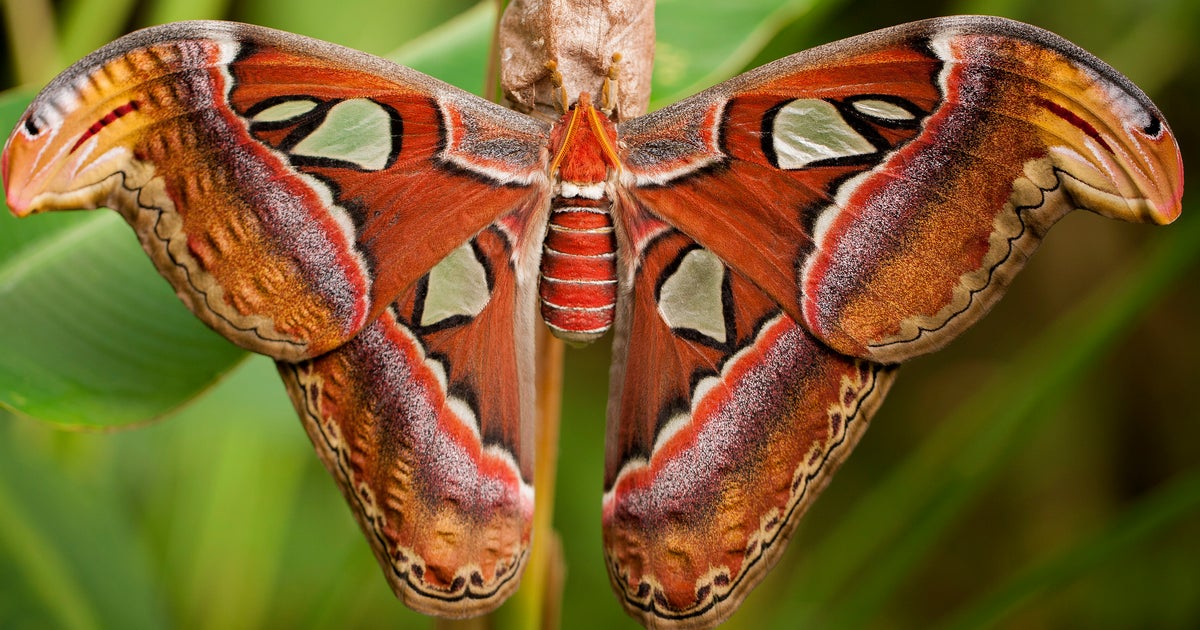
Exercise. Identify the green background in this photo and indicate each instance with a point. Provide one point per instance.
(1042, 471)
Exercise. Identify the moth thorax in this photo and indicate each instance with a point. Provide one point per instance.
(578, 286)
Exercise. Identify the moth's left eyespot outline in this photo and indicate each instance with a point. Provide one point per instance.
(360, 133)
(810, 133)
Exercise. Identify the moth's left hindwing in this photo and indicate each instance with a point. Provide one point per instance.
(366, 226)
(792, 232)
(726, 419)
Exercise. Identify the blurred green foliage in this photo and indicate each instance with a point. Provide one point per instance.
(1043, 471)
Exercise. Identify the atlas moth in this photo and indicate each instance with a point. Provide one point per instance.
(766, 252)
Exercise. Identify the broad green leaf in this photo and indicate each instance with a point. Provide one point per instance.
(93, 336)
(455, 52)
(68, 558)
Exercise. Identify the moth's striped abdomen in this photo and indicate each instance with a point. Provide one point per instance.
(578, 285)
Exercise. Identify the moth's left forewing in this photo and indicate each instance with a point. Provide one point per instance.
(1029, 127)
(897, 181)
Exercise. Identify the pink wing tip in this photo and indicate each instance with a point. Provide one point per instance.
(11, 196)
(19, 191)
(1176, 206)
(1166, 202)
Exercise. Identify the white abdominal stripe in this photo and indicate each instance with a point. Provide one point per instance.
(814, 132)
(569, 190)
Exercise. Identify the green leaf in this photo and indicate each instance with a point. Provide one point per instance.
(67, 558)
(90, 24)
(1165, 507)
(700, 44)
(163, 11)
(93, 336)
(455, 52)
